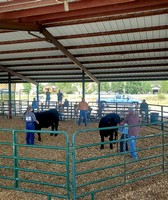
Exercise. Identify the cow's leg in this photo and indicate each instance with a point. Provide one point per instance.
(39, 137)
(116, 135)
(56, 127)
(102, 140)
(111, 139)
(52, 128)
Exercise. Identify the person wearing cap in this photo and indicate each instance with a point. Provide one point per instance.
(133, 131)
(30, 119)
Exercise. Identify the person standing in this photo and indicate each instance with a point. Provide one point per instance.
(144, 110)
(66, 104)
(34, 104)
(60, 96)
(83, 108)
(124, 135)
(133, 131)
(30, 119)
(48, 97)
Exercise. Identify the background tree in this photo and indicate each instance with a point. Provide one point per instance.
(117, 87)
(105, 86)
(40, 88)
(27, 87)
(164, 86)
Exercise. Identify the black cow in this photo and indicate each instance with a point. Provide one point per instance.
(111, 119)
(46, 119)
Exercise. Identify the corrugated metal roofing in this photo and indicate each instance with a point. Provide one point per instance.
(117, 40)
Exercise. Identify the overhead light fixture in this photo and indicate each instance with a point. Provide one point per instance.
(66, 5)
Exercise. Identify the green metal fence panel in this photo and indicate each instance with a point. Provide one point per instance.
(25, 171)
(25, 168)
(118, 169)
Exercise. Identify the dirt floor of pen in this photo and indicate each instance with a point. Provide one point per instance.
(153, 188)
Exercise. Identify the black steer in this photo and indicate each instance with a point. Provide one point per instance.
(111, 119)
(46, 119)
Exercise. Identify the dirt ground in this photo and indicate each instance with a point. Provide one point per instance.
(154, 188)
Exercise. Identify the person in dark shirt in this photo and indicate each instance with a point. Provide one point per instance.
(66, 104)
(144, 110)
(60, 96)
(48, 97)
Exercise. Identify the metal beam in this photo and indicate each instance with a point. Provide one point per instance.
(58, 8)
(106, 16)
(19, 26)
(49, 37)
(76, 55)
(18, 75)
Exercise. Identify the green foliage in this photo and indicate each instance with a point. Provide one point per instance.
(132, 87)
(164, 86)
(40, 88)
(68, 88)
(146, 87)
(138, 87)
(105, 86)
(118, 87)
(161, 96)
(27, 87)
(91, 87)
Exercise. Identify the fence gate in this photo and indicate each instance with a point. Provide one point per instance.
(40, 169)
(78, 170)
(95, 171)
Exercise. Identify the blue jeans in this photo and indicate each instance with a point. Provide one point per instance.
(132, 143)
(30, 135)
(123, 144)
(83, 114)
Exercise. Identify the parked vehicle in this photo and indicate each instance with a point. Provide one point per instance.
(120, 98)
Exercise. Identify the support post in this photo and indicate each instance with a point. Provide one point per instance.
(83, 84)
(98, 92)
(37, 95)
(10, 96)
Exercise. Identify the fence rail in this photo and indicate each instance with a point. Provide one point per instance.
(124, 174)
(83, 170)
(20, 175)
(18, 107)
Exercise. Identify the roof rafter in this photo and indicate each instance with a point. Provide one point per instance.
(18, 75)
(81, 55)
(106, 17)
(79, 5)
(19, 26)
(66, 52)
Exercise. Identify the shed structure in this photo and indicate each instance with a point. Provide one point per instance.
(108, 40)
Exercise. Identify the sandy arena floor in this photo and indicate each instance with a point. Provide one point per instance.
(154, 188)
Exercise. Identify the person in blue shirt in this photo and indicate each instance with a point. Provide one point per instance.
(34, 104)
(124, 135)
(48, 97)
(30, 119)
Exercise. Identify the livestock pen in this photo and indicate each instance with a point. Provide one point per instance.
(72, 166)
(17, 108)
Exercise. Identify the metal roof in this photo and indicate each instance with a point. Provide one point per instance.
(109, 40)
